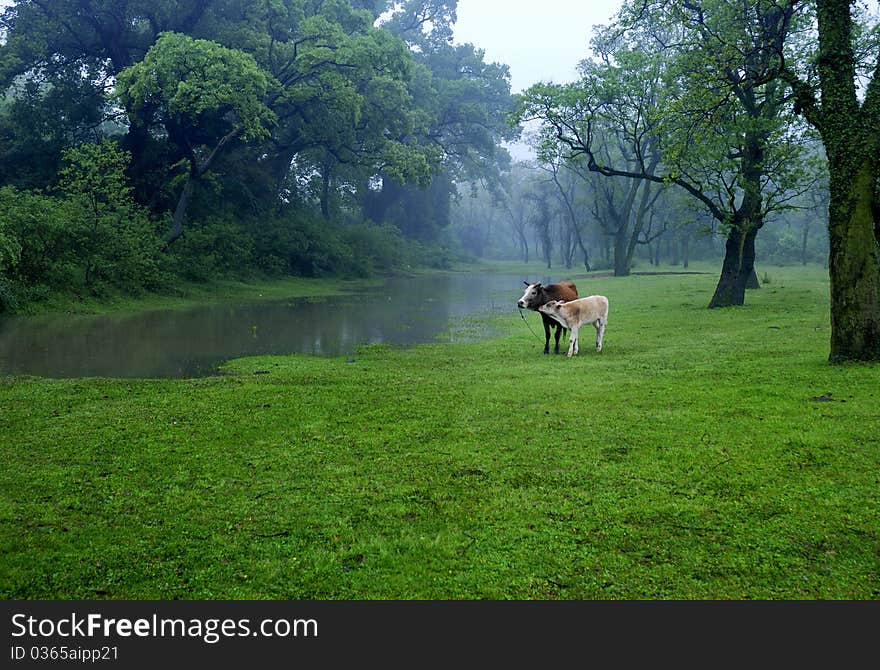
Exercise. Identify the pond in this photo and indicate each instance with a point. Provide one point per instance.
(193, 342)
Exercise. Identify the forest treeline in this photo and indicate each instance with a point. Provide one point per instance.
(145, 142)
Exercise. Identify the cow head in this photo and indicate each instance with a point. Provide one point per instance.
(553, 309)
(533, 298)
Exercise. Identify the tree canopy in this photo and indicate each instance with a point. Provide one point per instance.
(242, 122)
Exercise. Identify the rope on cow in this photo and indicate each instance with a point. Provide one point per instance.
(527, 323)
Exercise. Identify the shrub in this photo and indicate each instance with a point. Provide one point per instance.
(112, 237)
(211, 248)
(10, 254)
(88, 237)
(46, 253)
(376, 248)
(300, 244)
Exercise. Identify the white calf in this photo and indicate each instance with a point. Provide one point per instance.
(576, 313)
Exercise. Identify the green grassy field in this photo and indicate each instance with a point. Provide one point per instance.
(702, 455)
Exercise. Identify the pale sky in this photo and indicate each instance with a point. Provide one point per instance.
(541, 40)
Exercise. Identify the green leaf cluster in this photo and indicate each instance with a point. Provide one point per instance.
(194, 83)
(89, 236)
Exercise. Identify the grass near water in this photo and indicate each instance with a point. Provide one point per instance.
(702, 455)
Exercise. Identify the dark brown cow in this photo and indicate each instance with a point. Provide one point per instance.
(537, 295)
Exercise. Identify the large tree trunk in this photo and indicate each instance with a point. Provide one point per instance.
(543, 229)
(645, 205)
(854, 266)
(737, 268)
(752, 280)
(587, 266)
(851, 135)
(573, 223)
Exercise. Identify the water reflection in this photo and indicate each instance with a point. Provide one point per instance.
(191, 343)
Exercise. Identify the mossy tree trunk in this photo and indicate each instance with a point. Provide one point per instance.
(851, 134)
(854, 261)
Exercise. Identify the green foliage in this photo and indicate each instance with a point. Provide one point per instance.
(378, 248)
(37, 224)
(10, 247)
(113, 238)
(784, 245)
(253, 101)
(349, 104)
(88, 237)
(425, 24)
(303, 245)
(195, 85)
(10, 254)
(460, 103)
(40, 117)
(472, 100)
(212, 248)
(296, 243)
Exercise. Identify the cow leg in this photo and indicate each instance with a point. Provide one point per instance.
(559, 330)
(573, 342)
(600, 333)
(546, 320)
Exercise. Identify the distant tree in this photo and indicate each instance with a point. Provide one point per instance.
(515, 203)
(478, 224)
(568, 181)
(541, 196)
(621, 210)
(463, 102)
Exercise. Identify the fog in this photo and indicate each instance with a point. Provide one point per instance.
(540, 42)
(538, 45)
